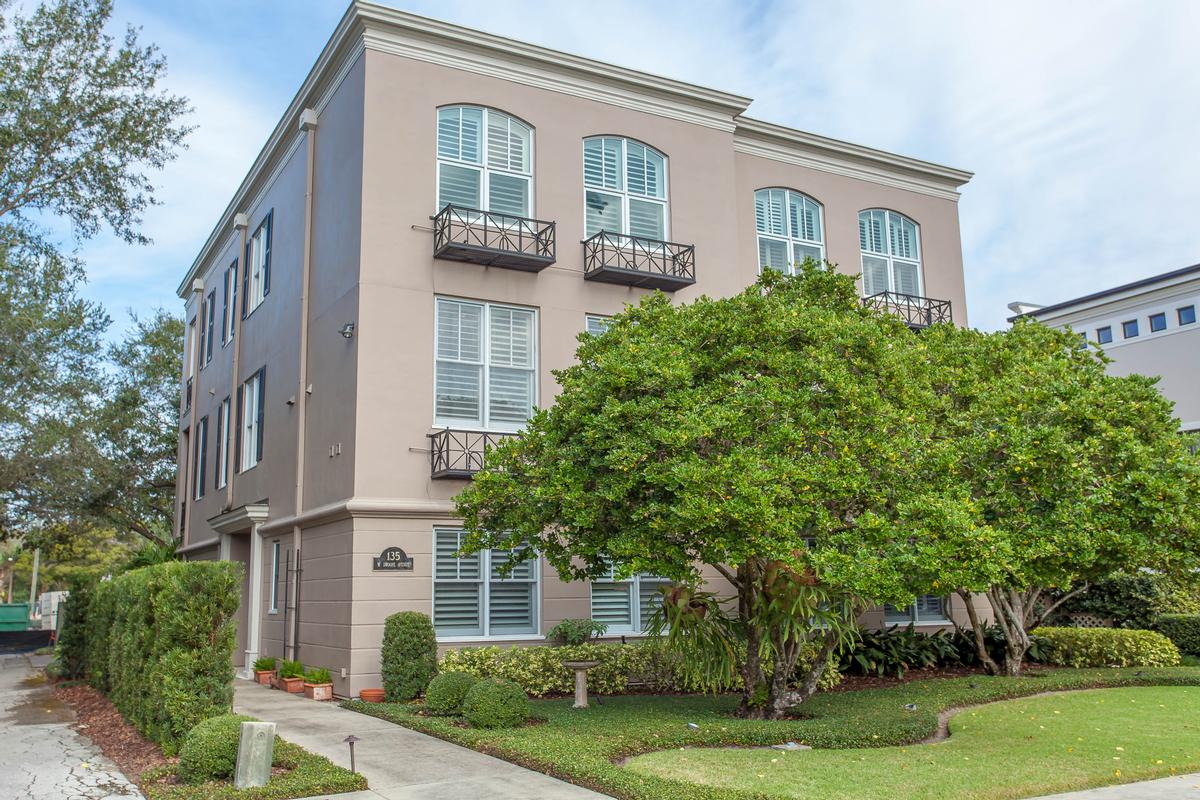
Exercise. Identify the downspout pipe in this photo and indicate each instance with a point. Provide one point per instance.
(308, 124)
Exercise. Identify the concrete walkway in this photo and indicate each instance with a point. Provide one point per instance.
(399, 764)
(42, 757)
(1179, 787)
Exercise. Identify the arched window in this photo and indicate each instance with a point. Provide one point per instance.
(485, 161)
(790, 229)
(625, 188)
(891, 252)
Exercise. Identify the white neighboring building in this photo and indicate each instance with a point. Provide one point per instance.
(1147, 327)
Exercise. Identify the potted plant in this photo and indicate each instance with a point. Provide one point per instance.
(318, 684)
(290, 677)
(371, 695)
(264, 670)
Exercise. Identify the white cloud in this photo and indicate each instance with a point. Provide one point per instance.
(1078, 118)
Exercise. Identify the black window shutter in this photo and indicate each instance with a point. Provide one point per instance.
(212, 318)
(225, 308)
(220, 442)
(237, 447)
(203, 469)
(246, 280)
(262, 394)
(267, 252)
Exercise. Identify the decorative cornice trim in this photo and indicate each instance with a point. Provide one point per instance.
(366, 508)
(241, 519)
(789, 145)
(204, 545)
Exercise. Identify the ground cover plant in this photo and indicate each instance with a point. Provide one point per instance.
(585, 746)
(1011, 749)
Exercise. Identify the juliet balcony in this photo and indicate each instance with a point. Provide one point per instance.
(459, 454)
(916, 311)
(493, 240)
(637, 261)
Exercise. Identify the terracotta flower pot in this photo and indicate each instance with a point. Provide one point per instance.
(290, 685)
(371, 695)
(264, 676)
(318, 691)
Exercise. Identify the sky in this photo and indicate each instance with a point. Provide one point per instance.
(1079, 119)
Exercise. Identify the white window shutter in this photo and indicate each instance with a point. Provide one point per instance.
(649, 598)
(458, 379)
(773, 254)
(906, 275)
(510, 350)
(612, 604)
(875, 275)
(457, 590)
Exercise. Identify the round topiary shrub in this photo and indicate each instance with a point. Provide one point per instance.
(495, 703)
(209, 750)
(408, 659)
(446, 693)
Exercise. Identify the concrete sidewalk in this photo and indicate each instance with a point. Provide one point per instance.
(1178, 787)
(399, 764)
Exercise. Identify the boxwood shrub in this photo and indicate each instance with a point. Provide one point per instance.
(1183, 630)
(160, 644)
(408, 660)
(1106, 647)
(495, 703)
(539, 670)
(209, 750)
(445, 694)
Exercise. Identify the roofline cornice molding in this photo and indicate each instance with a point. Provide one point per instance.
(369, 25)
(789, 145)
(1161, 286)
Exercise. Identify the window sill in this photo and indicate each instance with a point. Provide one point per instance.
(502, 637)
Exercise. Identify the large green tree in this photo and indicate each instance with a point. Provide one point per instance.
(738, 434)
(83, 124)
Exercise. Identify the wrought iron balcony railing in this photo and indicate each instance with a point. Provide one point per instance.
(917, 312)
(637, 261)
(494, 240)
(459, 454)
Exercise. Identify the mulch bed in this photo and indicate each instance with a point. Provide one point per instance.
(852, 683)
(99, 720)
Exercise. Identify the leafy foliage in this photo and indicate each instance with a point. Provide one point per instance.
(291, 669)
(160, 644)
(588, 748)
(446, 693)
(265, 664)
(729, 433)
(895, 650)
(70, 651)
(408, 660)
(576, 631)
(209, 750)
(495, 703)
(1107, 647)
(1130, 601)
(318, 675)
(1182, 629)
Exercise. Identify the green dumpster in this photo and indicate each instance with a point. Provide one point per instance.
(14, 616)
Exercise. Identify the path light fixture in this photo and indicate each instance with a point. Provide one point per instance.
(910, 706)
(347, 330)
(350, 740)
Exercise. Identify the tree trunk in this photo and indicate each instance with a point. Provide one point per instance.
(981, 649)
(752, 672)
(1012, 610)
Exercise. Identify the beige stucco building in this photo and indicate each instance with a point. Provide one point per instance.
(1147, 327)
(438, 215)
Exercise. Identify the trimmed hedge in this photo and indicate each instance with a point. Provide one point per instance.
(209, 750)
(539, 670)
(160, 644)
(444, 697)
(1106, 647)
(408, 659)
(495, 703)
(71, 649)
(1183, 630)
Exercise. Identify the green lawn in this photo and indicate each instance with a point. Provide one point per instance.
(1010, 749)
(585, 746)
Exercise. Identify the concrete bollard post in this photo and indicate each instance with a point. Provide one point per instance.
(256, 748)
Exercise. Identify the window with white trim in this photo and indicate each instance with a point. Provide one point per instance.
(596, 324)
(470, 598)
(891, 252)
(928, 609)
(208, 312)
(229, 303)
(485, 161)
(256, 283)
(224, 432)
(275, 552)
(200, 465)
(626, 605)
(625, 188)
(790, 229)
(485, 365)
(250, 420)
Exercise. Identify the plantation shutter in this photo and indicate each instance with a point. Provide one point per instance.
(875, 275)
(803, 251)
(870, 232)
(266, 253)
(511, 599)
(508, 143)
(597, 325)
(457, 595)
(649, 598)
(805, 217)
(931, 608)
(897, 616)
(458, 378)
(602, 212)
(602, 164)
(612, 604)
(258, 416)
(645, 170)
(510, 379)
(647, 219)
(460, 138)
(768, 212)
(903, 233)
(906, 275)
(773, 254)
